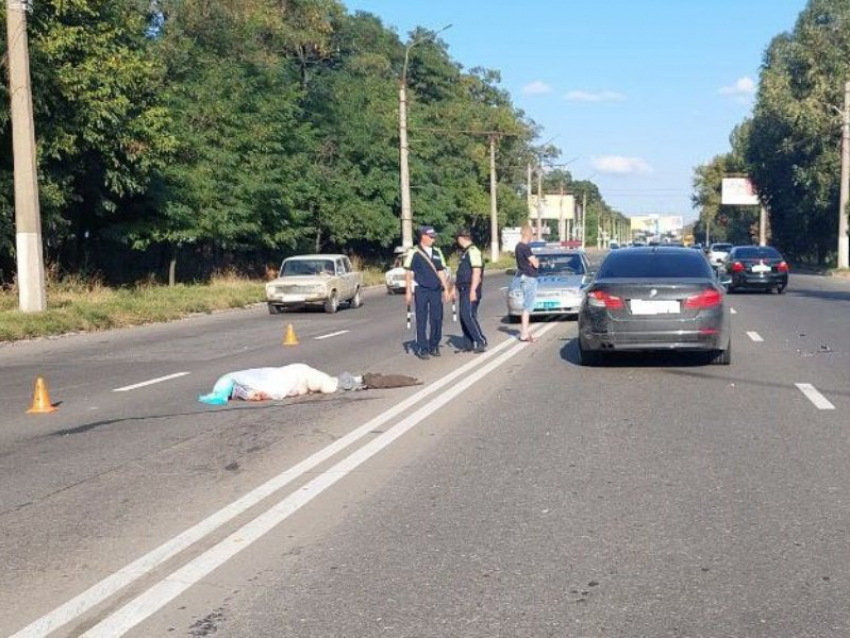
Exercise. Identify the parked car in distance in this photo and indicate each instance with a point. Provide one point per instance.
(562, 277)
(654, 299)
(614, 245)
(395, 280)
(717, 253)
(306, 280)
(395, 277)
(755, 268)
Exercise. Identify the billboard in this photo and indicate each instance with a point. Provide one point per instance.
(657, 225)
(553, 207)
(738, 191)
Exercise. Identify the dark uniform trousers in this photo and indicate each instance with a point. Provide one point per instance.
(469, 315)
(429, 308)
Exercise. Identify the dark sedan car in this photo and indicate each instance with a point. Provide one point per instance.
(755, 268)
(657, 298)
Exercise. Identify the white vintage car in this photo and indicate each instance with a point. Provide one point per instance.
(395, 277)
(326, 280)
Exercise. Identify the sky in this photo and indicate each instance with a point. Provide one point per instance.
(635, 93)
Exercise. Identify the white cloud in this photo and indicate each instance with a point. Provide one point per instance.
(743, 88)
(600, 96)
(537, 88)
(619, 165)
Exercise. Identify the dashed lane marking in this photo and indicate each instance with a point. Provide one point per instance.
(106, 588)
(143, 384)
(333, 334)
(755, 337)
(733, 311)
(820, 401)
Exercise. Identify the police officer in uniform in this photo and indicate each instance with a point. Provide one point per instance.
(426, 266)
(468, 288)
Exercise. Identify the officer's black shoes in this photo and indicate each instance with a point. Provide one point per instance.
(435, 352)
(423, 355)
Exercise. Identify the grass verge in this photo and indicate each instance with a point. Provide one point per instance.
(74, 306)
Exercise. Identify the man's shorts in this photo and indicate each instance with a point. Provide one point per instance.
(528, 285)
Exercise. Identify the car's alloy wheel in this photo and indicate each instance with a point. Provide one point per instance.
(332, 304)
(275, 310)
(356, 301)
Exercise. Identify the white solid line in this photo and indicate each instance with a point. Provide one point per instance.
(155, 598)
(333, 334)
(733, 311)
(820, 401)
(126, 388)
(102, 590)
(755, 337)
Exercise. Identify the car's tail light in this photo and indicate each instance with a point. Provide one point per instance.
(782, 267)
(737, 267)
(601, 299)
(707, 299)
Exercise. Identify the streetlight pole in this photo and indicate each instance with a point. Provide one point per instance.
(30, 260)
(404, 169)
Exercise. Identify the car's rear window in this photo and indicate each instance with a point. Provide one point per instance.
(721, 247)
(293, 267)
(757, 252)
(664, 264)
(554, 264)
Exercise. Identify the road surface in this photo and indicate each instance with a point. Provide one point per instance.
(514, 493)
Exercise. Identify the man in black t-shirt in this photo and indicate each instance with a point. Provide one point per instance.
(526, 280)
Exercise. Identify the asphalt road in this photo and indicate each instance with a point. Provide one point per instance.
(513, 494)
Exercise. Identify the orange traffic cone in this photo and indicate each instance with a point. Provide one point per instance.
(290, 339)
(40, 399)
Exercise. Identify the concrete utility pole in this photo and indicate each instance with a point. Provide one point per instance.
(404, 170)
(406, 213)
(762, 226)
(539, 202)
(31, 286)
(843, 240)
(494, 214)
(583, 218)
(528, 193)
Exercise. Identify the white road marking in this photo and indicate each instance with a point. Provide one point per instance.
(135, 386)
(155, 598)
(80, 604)
(755, 337)
(333, 334)
(733, 311)
(159, 595)
(820, 401)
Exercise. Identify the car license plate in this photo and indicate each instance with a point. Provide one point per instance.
(293, 298)
(761, 268)
(655, 307)
(545, 305)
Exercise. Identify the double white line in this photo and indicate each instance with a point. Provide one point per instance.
(160, 594)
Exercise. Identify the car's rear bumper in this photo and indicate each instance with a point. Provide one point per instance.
(701, 333)
(547, 307)
(748, 280)
(647, 341)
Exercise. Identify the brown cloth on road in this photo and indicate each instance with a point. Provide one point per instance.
(375, 381)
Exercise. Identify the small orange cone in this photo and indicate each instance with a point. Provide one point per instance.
(290, 339)
(40, 399)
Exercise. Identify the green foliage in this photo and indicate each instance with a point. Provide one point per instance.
(238, 131)
(791, 148)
